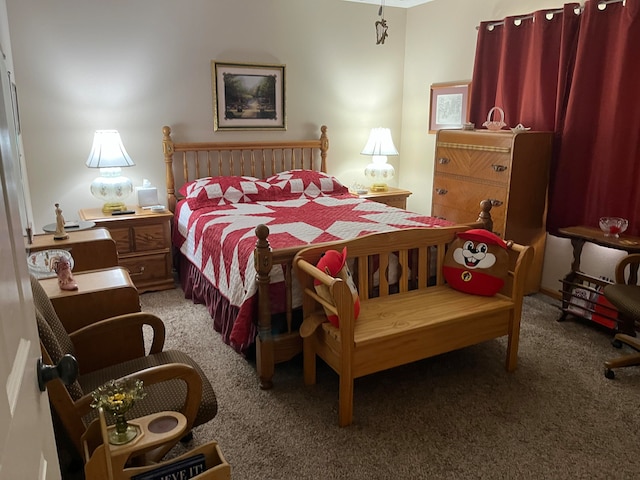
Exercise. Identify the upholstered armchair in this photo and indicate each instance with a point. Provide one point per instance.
(114, 348)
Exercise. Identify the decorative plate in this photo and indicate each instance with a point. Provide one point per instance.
(41, 263)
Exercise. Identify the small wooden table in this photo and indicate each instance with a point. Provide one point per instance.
(101, 294)
(579, 235)
(91, 249)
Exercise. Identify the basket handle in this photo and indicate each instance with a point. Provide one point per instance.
(500, 111)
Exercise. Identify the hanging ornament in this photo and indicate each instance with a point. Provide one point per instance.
(381, 26)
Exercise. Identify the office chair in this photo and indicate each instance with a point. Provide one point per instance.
(625, 296)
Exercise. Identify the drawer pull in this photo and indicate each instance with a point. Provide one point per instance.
(496, 203)
(442, 191)
(498, 168)
(443, 160)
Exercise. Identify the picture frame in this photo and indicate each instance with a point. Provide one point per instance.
(248, 96)
(448, 105)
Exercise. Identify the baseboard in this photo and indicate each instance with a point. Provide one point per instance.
(551, 293)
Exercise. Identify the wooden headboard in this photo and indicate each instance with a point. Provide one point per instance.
(189, 161)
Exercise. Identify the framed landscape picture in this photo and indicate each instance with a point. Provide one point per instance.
(449, 105)
(248, 96)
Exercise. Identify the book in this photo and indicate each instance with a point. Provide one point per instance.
(179, 470)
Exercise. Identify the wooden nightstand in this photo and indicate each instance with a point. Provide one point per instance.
(394, 197)
(143, 240)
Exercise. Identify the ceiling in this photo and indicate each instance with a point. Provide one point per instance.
(393, 3)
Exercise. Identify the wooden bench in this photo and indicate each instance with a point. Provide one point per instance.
(418, 317)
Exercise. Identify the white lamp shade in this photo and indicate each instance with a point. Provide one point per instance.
(108, 151)
(379, 145)
(109, 155)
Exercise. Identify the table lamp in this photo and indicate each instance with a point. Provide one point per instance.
(379, 145)
(108, 154)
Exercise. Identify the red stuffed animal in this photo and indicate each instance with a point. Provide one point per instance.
(334, 263)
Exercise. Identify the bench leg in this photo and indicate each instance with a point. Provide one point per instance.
(309, 361)
(345, 412)
(512, 346)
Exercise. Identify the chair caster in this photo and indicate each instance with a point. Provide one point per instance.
(187, 438)
(610, 374)
(616, 343)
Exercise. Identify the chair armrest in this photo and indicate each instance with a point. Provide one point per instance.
(116, 340)
(159, 374)
(633, 262)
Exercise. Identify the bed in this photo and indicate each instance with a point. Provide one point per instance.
(241, 212)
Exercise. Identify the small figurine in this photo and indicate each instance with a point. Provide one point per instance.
(62, 267)
(59, 234)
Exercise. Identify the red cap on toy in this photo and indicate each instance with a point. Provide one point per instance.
(333, 261)
(480, 235)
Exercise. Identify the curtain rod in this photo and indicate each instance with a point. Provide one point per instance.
(491, 25)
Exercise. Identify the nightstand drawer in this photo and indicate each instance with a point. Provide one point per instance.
(150, 237)
(123, 241)
(147, 269)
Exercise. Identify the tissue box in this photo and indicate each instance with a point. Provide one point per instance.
(147, 196)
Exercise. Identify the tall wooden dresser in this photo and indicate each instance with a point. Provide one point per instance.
(510, 169)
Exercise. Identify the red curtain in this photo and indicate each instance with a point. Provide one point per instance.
(575, 75)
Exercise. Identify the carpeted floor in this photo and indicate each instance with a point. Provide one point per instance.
(456, 416)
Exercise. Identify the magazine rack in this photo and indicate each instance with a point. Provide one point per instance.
(581, 293)
(104, 461)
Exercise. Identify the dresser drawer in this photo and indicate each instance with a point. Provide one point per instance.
(150, 237)
(148, 268)
(474, 162)
(459, 201)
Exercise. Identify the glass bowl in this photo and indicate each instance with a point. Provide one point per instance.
(613, 226)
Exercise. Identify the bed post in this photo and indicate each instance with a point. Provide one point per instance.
(265, 355)
(167, 148)
(485, 215)
(324, 146)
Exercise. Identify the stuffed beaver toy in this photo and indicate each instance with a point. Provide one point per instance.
(476, 262)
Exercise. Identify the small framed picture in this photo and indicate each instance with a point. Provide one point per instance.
(248, 96)
(449, 105)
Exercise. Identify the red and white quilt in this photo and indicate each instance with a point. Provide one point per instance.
(220, 240)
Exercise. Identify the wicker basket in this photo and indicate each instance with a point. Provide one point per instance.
(495, 125)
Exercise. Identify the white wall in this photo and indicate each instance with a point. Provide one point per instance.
(83, 65)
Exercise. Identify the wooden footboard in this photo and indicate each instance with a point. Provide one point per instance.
(276, 348)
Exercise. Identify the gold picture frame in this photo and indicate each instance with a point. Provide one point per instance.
(248, 96)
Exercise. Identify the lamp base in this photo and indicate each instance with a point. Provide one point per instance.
(112, 189)
(379, 187)
(111, 207)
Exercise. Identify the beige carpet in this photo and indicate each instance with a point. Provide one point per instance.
(456, 416)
